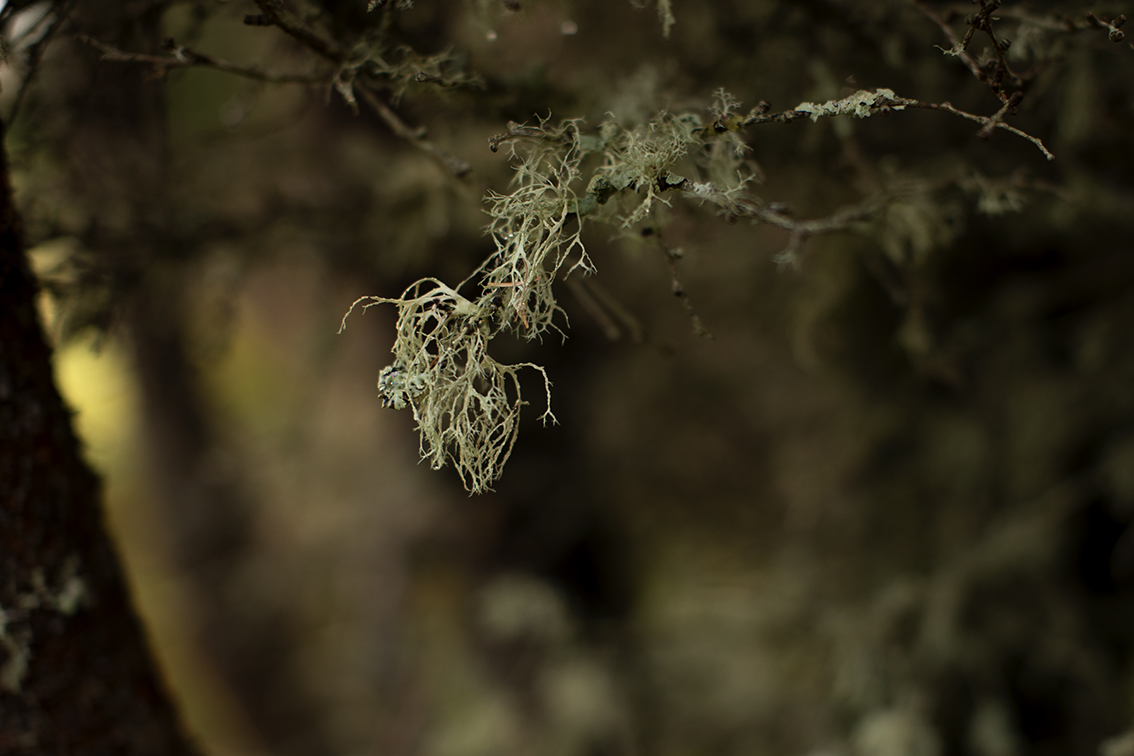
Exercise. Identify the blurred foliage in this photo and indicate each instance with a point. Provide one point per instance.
(885, 511)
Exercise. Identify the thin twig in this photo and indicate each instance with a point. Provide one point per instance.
(799, 232)
(886, 104)
(275, 12)
(293, 25)
(955, 47)
(418, 137)
(677, 288)
(837, 221)
(983, 20)
(519, 131)
(577, 286)
(1052, 22)
(980, 20)
(987, 122)
(1112, 27)
(780, 216)
(609, 302)
(183, 57)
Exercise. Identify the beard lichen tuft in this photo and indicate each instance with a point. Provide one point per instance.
(466, 404)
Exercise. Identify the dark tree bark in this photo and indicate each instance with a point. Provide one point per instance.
(75, 672)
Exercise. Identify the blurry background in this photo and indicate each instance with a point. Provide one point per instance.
(885, 511)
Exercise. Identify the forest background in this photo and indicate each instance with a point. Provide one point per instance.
(863, 486)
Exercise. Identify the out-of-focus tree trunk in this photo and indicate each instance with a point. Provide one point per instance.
(75, 672)
(124, 143)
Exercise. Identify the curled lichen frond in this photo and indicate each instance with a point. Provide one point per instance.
(536, 228)
(724, 105)
(466, 404)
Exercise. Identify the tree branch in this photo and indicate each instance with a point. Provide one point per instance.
(418, 137)
(863, 104)
(956, 48)
(183, 57)
(988, 123)
(275, 12)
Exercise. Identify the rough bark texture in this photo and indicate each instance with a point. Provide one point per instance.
(75, 671)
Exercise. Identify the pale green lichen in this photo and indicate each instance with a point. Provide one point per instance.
(466, 404)
(643, 159)
(18, 648)
(996, 196)
(914, 225)
(665, 13)
(536, 229)
(15, 632)
(860, 104)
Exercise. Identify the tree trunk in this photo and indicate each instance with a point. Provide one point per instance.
(75, 672)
